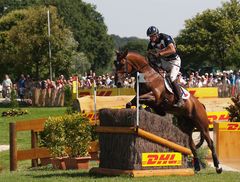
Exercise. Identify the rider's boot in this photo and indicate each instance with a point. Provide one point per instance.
(177, 92)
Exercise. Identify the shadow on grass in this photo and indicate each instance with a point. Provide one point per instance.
(67, 174)
(49, 172)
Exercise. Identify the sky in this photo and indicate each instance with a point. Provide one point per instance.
(128, 18)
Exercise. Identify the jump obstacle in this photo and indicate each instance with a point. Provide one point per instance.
(155, 148)
(227, 140)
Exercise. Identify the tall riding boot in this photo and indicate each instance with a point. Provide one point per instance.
(177, 92)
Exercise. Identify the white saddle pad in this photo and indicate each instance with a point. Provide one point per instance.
(185, 93)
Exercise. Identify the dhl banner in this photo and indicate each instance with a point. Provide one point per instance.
(229, 126)
(206, 92)
(217, 116)
(162, 159)
(107, 92)
(212, 116)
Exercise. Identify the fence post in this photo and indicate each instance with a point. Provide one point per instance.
(13, 147)
(33, 145)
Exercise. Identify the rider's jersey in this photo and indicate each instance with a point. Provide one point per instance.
(163, 41)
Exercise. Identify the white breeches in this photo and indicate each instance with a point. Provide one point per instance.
(172, 67)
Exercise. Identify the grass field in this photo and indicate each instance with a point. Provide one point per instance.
(42, 174)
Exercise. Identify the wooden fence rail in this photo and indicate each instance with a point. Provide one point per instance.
(35, 153)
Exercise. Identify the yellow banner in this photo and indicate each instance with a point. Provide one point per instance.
(107, 92)
(74, 85)
(204, 92)
(229, 126)
(162, 159)
(217, 116)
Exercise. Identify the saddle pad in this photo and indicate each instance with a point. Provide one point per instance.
(185, 93)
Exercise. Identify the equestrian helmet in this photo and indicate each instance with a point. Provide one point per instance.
(152, 30)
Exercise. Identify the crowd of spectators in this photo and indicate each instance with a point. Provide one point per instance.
(228, 83)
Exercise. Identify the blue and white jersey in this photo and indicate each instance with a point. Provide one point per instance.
(163, 41)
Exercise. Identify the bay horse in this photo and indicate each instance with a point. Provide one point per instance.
(192, 114)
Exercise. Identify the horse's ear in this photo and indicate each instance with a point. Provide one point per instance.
(117, 52)
(125, 53)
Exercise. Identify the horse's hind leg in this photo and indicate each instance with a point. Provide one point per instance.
(212, 148)
(194, 152)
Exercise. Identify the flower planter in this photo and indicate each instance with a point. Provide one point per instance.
(94, 155)
(77, 162)
(45, 161)
(58, 163)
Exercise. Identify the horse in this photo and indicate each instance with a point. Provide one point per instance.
(161, 100)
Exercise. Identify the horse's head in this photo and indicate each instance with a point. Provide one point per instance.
(123, 68)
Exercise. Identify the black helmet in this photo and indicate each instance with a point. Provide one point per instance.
(152, 30)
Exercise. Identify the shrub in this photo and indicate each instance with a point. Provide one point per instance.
(77, 135)
(234, 109)
(68, 135)
(53, 136)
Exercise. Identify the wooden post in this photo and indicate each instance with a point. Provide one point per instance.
(33, 145)
(13, 147)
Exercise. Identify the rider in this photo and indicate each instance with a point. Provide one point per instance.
(171, 62)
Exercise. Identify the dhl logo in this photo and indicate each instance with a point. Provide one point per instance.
(203, 92)
(217, 116)
(91, 116)
(99, 93)
(226, 126)
(192, 92)
(162, 159)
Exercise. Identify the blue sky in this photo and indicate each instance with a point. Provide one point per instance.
(132, 17)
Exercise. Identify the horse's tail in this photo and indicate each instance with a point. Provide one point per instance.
(201, 141)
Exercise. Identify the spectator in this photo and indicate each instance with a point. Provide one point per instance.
(28, 87)
(21, 86)
(6, 87)
(60, 82)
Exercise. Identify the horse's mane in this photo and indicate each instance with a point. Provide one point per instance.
(136, 56)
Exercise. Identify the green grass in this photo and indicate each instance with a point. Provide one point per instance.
(42, 174)
(47, 174)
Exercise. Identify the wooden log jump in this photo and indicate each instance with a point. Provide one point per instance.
(144, 134)
(123, 145)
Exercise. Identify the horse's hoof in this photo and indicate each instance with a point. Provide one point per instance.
(219, 170)
(148, 109)
(162, 113)
(129, 105)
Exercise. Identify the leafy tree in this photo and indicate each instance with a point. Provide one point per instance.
(209, 37)
(24, 42)
(139, 46)
(85, 22)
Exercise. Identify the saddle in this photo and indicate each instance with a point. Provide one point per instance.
(155, 63)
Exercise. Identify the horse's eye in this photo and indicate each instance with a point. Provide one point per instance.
(116, 63)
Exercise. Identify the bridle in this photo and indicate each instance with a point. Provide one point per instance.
(134, 70)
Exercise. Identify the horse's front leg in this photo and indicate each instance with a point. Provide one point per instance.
(131, 103)
(147, 99)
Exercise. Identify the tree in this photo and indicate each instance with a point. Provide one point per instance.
(84, 21)
(209, 36)
(24, 42)
(139, 46)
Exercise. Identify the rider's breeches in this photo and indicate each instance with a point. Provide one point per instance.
(172, 67)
